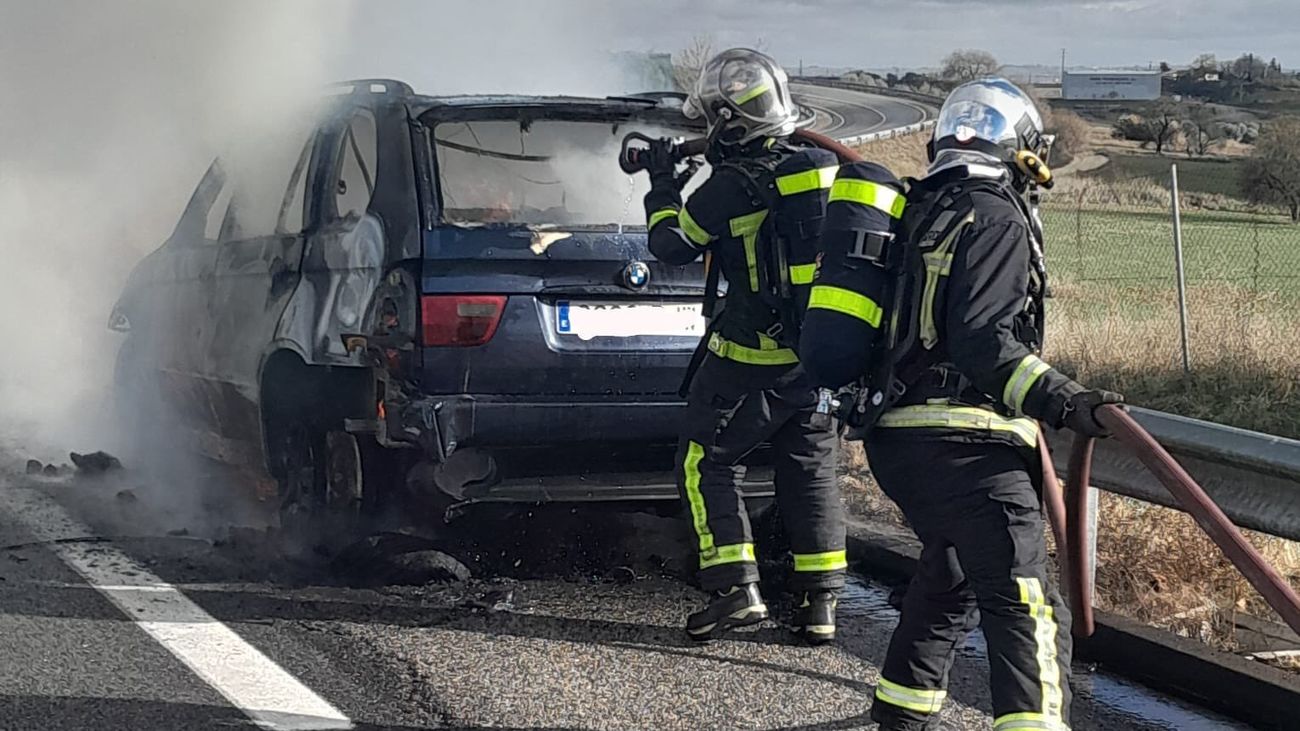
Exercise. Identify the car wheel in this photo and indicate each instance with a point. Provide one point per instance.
(300, 471)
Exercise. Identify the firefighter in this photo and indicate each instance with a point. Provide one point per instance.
(956, 445)
(746, 387)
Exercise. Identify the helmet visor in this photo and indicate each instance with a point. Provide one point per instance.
(968, 121)
(755, 92)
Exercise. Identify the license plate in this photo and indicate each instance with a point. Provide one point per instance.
(587, 320)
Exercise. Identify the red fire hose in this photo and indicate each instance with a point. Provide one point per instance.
(1275, 590)
(846, 154)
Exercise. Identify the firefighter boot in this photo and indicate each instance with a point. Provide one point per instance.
(739, 606)
(814, 617)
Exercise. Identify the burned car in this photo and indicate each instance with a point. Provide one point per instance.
(449, 297)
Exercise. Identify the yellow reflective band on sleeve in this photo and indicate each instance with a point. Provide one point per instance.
(693, 230)
(802, 273)
(1022, 380)
(738, 553)
(814, 562)
(847, 302)
(1049, 670)
(881, 197)
(661, 215)
(752, 93)
(746, 229)
(808, 180)
(691, 479)
(1028, 722)
(920, 700)
(724, 348)
(966, 418)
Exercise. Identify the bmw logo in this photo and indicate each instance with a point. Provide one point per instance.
(636, 275)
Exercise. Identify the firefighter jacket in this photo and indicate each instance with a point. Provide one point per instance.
(731, 219)
(975, 373)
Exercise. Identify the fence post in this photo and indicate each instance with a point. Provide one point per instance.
(1178, 263)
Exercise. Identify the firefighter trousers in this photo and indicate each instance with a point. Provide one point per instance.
(732, 409)
(977, 510)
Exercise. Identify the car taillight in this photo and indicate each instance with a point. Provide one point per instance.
(460, 320)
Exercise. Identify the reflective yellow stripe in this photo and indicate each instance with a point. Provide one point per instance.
(752, 93)
(1028, 722)
(938, 263)
(829, 561)
(699, 514)
(920, 700)
(724, 348)
(943, 416)
(693, 230)
(881, 197)
(746, 229)
(737, 553)
(1022, 380)
(802, 273)
(796, 183)
(661, 215)
(1049, 671)
(847, 302)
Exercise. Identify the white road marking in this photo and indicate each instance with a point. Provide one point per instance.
(250, 680)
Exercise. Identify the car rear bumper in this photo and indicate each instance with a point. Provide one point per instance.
(507, 423)
(553, 451)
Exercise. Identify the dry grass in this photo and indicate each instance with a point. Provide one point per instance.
(904, 156)
(1157, 566)
(1244, 349)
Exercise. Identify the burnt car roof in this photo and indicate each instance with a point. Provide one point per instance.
(656, 106)
(650, 108)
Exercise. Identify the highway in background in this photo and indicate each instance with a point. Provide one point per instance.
(845, 113)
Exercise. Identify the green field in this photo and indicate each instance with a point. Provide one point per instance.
(1206, 176)
(1137, 248)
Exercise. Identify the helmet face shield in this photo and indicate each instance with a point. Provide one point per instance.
(993, 111)
(746, 92)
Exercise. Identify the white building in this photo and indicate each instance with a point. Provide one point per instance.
(1134, 85)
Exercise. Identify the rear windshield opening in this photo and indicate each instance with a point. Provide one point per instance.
(548, 173)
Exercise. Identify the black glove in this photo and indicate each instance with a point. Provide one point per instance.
(661, 159)
(1080, 416)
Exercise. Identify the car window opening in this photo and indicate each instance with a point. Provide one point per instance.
(546, 173)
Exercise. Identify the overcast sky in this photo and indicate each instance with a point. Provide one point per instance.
(520, 38)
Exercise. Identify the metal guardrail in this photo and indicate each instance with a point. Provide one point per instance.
(911, 129)
(1254, 478)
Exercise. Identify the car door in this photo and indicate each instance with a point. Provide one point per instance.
(258, 265)
(165, 308)
(344, 263)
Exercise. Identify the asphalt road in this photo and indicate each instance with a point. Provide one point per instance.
(130, 603)
(843, 113)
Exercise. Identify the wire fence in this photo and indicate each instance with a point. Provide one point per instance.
(1111, 253)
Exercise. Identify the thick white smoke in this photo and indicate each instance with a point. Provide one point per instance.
(109, 113)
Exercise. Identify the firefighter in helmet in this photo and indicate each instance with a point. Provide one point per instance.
(955, 442)
(746, 387)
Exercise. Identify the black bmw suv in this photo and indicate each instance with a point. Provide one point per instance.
(450, 297)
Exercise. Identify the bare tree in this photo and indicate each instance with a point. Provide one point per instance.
(1157, 129)
(689, 62)
(1272, 175)
(1205, 62)
(969, 64)
(1201, 130)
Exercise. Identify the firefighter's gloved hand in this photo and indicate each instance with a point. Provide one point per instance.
(1080, 412)
(661, 160)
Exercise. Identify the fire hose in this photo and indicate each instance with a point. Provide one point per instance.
(1264, 578)
(1067, 510)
